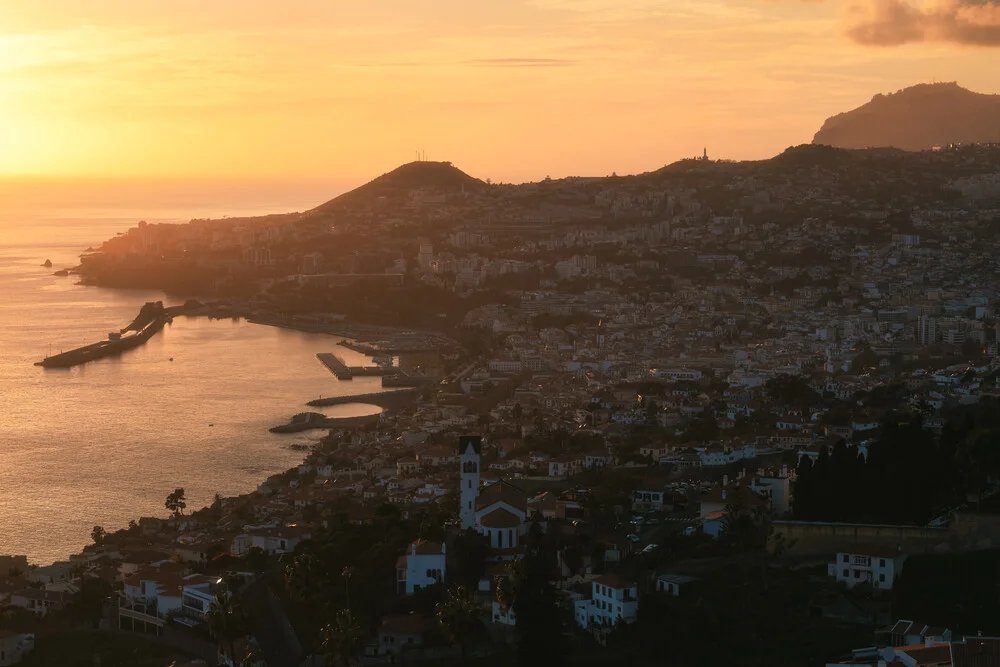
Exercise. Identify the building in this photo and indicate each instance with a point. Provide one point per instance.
(279, 540)
(398, 634)
(470, 449)
(14, 646)
(422, 566)
(38, 601)
(877, 566)
(613, 600)
(671, 584)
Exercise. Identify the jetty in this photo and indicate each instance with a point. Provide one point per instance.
(345, 372)
(152, 316)
(388, 400)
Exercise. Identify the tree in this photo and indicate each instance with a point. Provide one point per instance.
(517, 412)
(225, 621)
(98, 534)
(343, 639)
(175, 502)
(470, 550)
(460, 617)
(541, 622)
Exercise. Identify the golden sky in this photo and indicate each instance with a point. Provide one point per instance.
(506, 89)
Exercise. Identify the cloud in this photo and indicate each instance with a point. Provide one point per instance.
(896, 22)
(521, 62)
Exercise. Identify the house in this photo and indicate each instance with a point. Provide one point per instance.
(150, 596)
(877, 566)
(397, 634)
(565, 466)
(719, 498)
(596, 461)
(14, 646)
(421, 566)
(911, 633)
(671, 584)
(38, 601)
(280, 540)
(613, 600)
(648, 500)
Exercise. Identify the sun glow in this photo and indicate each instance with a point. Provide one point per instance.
(346, 90)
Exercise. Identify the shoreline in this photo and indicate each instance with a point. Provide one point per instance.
(305, 450)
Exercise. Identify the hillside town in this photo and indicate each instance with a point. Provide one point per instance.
(754, 396)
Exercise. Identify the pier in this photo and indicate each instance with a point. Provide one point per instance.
(336, 366)
(345, 372)
(151, 319)
(389, 400)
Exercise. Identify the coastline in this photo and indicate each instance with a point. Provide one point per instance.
(63, 547)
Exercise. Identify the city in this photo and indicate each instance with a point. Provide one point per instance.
(642, 405)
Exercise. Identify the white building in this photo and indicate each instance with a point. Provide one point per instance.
(470, 448)
(671, 584)
(613, 600)
(877, 566)
(422, 566)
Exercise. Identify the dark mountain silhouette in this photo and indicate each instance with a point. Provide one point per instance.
(397, 183)
(917, 118)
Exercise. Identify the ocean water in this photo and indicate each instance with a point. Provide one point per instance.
(104, 443)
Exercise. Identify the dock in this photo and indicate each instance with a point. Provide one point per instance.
(345, 372)
(151, 319)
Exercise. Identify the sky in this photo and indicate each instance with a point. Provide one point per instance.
(512, 90)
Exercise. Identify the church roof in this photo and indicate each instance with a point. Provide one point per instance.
(475, 441)
(500, 518)
(502, 492)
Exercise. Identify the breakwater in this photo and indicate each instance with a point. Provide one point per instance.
(390, 400)
(152, 316)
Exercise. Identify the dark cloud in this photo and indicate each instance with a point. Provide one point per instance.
(895, 22)
(521, 62)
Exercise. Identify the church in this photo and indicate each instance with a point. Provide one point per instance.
(498, 511)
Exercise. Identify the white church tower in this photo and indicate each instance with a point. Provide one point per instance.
(470, 447)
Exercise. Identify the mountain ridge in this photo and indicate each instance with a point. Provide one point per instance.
(920, 117)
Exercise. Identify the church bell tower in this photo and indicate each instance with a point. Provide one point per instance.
(470, 449)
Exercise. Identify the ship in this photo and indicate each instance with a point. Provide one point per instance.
(152, 316)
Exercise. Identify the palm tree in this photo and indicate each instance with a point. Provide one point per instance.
(303, 577)
(225, 621)
(347, 573)
(460, 616)
(343, 639)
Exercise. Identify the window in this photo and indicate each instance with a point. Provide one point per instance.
(881, 578)
(857, 574)
(510, 538)
(470, 504)
(881, 562)
(847, 573)
(499, 539)
(470, 483)
(847, 559)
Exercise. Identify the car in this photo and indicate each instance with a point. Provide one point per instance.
(633, 537)
(689, 530)
(649, 548)
(652, 521)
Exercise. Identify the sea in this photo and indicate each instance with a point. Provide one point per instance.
(104, 443)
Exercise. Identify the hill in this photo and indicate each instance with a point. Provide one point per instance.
(442, 176)
(917, 118)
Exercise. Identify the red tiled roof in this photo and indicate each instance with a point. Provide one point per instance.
(929, 656)
(426, 548)
(502, 492)
(500, 518)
